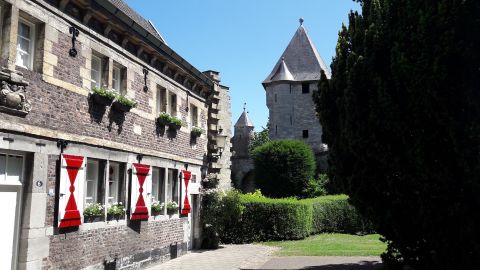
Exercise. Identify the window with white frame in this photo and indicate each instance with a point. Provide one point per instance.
(94, 188)
(96, 71)
(172, 185)
(158, 185)
(118, 79)
(116, 183)
(11, 168)
(161, 99)
(25, 43)
(194, 115)
(173, 104)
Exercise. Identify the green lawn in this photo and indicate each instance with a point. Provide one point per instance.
(331, 245)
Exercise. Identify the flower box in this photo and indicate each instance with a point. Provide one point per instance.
(103, 96)
(196, 132)
(123, 104)
(91, 219)
(163, 119)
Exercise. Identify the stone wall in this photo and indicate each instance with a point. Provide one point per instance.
(133, 246)
(225, 121)
(291, 112)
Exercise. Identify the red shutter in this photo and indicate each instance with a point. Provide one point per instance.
(141, 186)
(72, 175)
(185, 203)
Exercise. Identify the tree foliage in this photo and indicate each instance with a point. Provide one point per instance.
(401, 116)
(284, 168)
(258, 139)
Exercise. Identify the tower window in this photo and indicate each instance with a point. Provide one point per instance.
(305, 88)
(291, 121)
(276, 130)
(275, 97)
(305, 133)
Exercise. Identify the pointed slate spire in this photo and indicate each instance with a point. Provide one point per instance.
(282, 73)
(244, 120)
(300, 58)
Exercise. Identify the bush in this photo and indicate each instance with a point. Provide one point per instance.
(284, 168)
(245, 218)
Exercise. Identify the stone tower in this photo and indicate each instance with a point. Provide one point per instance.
(242, 164)
(289, 89)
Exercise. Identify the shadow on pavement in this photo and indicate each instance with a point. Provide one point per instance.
(365, 265)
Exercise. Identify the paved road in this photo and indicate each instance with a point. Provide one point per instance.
(249, 257)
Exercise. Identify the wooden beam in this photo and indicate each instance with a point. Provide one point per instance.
(125, 41)
(63, 4)
(153, 60)
(107, 29)
(87, 17)
(139, 51)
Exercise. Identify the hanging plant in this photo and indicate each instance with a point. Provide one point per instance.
(164, 119)
(103, 96)
(175, 123)
(196, 131)
(124, 104)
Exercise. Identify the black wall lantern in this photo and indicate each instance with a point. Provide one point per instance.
(74, 31)
(145, 73)
(139, 158)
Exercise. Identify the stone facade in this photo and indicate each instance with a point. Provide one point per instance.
(65, 119)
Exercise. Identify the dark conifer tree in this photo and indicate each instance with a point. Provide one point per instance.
(401, 116)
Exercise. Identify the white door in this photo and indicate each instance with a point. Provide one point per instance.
(11, 169)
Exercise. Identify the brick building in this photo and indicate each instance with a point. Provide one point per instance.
(65, 146)
(289, 88)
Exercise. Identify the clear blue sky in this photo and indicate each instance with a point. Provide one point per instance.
(243, 39)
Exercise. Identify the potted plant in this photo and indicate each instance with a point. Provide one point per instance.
(93, 212)
(175, 123)
(164, 119)
(172, 208)
(157, 208)
(115, 211)
(196, 132)
(103, 96)
(124, 104)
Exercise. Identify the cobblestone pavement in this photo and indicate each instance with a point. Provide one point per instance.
(229, 257)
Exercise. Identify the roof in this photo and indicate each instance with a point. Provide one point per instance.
(145, 24)
(301, 59)
(282, 73)
(244, 120)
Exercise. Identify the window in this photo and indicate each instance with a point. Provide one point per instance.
(194, 115)
(172, 185)
(94, 188)
(158, 185)
(275, 97)
(161, 99)
(11, 167)
(173, 104)
(291, 120)
(194, 178)
(118, 79)
(276, 130)
(116, 182)
(96, 71)
(305, 88)
(25, 44)
(305, 134)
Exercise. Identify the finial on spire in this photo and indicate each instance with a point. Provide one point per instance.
(283, 58)
(301, 21)
(244, 106)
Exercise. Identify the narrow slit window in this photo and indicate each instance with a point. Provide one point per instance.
(305, 133)
(305, 88)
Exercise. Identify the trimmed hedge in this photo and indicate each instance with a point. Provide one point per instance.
(253, 217)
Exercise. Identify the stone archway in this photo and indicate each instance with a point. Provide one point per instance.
(248, 182)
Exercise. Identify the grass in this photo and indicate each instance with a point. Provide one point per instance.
(332, 245)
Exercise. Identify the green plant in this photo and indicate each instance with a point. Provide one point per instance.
(196, 131)
(126, 101)
(93, 210)
(259, 138)
(246, 218)
(157, 207)
(284, 168)
(175, 121)
(172, 207)
(104, 92)
(164, 118)
(116, 209)
(400, 115)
